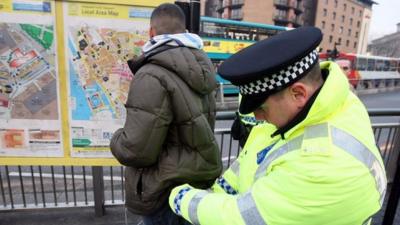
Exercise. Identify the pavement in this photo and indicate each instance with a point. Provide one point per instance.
(115, 215)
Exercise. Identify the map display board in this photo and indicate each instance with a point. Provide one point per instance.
(64, 77)
(30, 121)
(99, 41)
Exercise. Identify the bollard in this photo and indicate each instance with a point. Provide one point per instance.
(98, 190)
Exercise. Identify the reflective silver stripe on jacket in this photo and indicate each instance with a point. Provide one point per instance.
(341, 139)
(235, 167)
(316, 131)
(193, 204)
(288, 147)
(248, 210)
(355, 148)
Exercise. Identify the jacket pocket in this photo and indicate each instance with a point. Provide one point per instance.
(139, 184)
(133, 183)
(144, 193)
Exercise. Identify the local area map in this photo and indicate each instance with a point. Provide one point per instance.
(99, 79)
(29, 115)
(28, 82)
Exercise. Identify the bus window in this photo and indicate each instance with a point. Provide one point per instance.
(379, 65)
(386, 65)
(361, 64)
(393, 65)
(398, 66)
(371, 65)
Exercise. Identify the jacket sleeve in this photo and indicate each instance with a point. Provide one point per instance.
(209, 208)
(206, 207)
(148, 115)
(228, 182)
(223, 204)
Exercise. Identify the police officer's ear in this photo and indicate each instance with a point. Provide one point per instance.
(299, 94)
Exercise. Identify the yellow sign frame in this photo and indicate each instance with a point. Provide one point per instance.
(67, 160)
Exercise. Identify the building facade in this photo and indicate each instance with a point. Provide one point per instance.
(209, 8)
(279, 12)
(388, 45)
(344, 22)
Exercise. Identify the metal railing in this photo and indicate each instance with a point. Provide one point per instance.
(32, 187)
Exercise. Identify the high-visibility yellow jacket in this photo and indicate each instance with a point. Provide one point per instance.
(327, 170)
(249, 119)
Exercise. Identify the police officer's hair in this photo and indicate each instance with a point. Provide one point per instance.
(168, 18)
(313, 77)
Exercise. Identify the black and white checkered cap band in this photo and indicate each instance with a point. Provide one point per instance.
(281, 78)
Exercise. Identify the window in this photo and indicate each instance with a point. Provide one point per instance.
(343, 19)
(356, 34)
(237, 13)
(332, 27)
(326, 1)
(393, 65)
(330, 38)
(351, 21)
(298, 4)
(344, 7)
(355, 44)
(336, 2)
(323, 25)
(341, 30)
(361, 64)
(386, 65)
(349, 32)
(371, 65)
(339, 40)
(281, 13)
(379, 64)
(352, 10)
(347, 43)
(325, 12)
(360, 13)
(358, 23)
(334, 15)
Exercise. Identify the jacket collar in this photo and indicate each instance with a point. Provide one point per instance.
(322, 104)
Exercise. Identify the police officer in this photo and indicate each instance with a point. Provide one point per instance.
(315, 161)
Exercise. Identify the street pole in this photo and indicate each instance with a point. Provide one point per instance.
(195, 16)
(186, 10)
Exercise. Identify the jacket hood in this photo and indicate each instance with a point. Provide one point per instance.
(191, 65)
(332, 95)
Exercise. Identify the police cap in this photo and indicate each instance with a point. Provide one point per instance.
(271, 65)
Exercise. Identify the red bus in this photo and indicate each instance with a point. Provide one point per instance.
(362, 67)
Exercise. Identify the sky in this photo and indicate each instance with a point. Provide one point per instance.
(385, 16)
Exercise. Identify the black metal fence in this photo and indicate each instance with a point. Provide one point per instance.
(31, 187)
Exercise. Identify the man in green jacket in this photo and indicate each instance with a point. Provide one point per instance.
(314, 163)
(168, 138)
